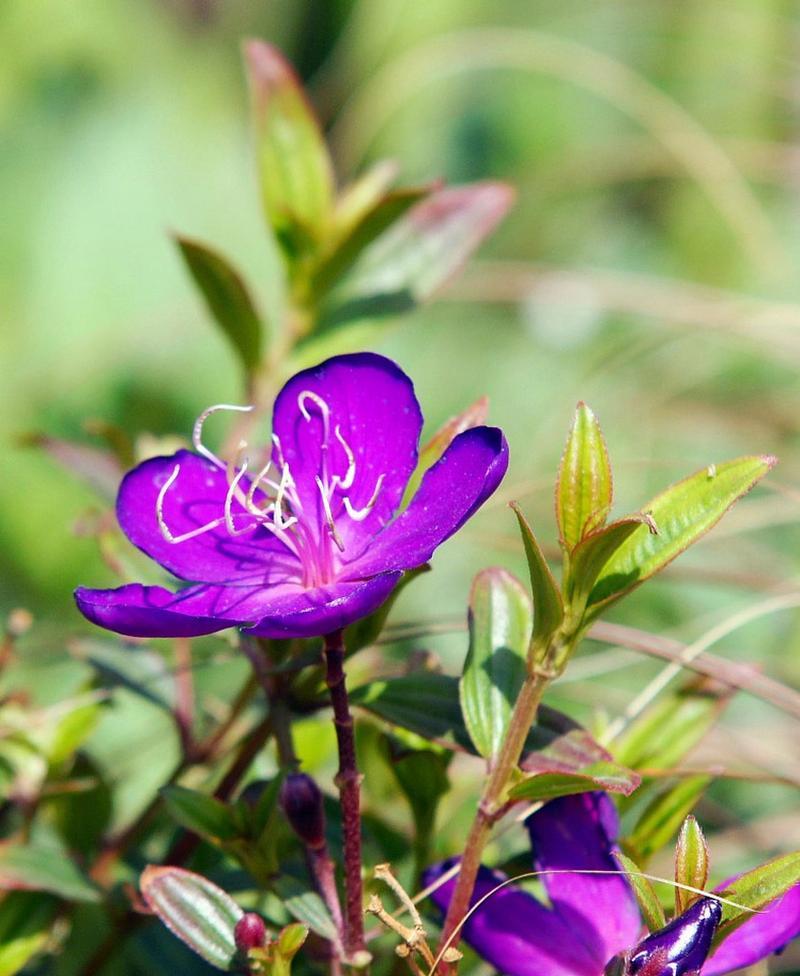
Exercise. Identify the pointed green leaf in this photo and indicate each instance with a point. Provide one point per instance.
(691, 863)
(290, 939)
(756, 889)
(294, 165)
(683, 514)
(548, 607)
(422, 777)
(609, 776)
(663, 816)
(227, 298)
(203, 815)
(583, 489)
(195, 910)
(593, 552)
(418, 254)
(645, 893)
(500, 620)
(40, 868)
(25, 921)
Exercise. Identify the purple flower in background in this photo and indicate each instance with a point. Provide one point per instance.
(308, 543)
(593, 925)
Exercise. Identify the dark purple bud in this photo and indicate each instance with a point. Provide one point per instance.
(301, 801)
(681, 947)
(250, 932)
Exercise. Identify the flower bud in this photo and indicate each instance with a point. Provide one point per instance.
(681, 947)
(301, 802)
(250, 932)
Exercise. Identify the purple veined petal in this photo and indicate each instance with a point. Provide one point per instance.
(196, 498)
(372, 403)
(514, 932)
(452, 489)
(579, 833)
(320, 611)
(681, 946)
(759, 937)
(146, 611)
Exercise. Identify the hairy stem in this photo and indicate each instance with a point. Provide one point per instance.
(491, 806)
(348, 781)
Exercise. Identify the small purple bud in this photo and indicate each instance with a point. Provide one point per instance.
(301, 802)
(250, 932)
(681, 947)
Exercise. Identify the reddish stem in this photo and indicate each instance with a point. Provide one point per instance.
(348, 781)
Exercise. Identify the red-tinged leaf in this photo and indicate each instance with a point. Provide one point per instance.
(607, 776)
(683, 514)
(691, 863)
(195, 910)
(294, 165)
(418, 254)
(584, 487)
(228, 299)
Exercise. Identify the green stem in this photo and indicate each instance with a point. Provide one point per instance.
(491, 804)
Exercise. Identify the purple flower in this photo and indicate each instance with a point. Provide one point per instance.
(308, 543)
(593, 926)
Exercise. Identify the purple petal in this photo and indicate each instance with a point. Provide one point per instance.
(372, 402)
(314, 613)
(145, 611)
(514, 932)
(680, 947)
(196, 498)
(452, 489)
(760, 936)
(579, 833)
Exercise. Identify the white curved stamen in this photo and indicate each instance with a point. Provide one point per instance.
(359, 514)
(162, 525)
(254, 486)
(350, 474)
(324, 409)
(329, 515)
(197, 432)
(229, 502)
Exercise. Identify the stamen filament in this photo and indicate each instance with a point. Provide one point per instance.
(162, 525)
(359, 514)
(346, 482)
(329, 515)
(197, 433)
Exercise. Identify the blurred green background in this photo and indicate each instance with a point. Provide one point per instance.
(649, 267)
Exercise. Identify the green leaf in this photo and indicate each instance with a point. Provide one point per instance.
(195, 910)
(306, 906)
(227, 298)
(375, 221)
(663, 816)
(418, 254)
(25, 921)
(294, 166)
(425, 702)
(645, 893)
(368, 629)
(500, 621)
(203, 815)
(683, 513)
(35, 868)
(594, 550)
(609, 776)
(583, 489)
(422, 777)
(548, 607)
(755, 890)
(691, 863)
(475, 415)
